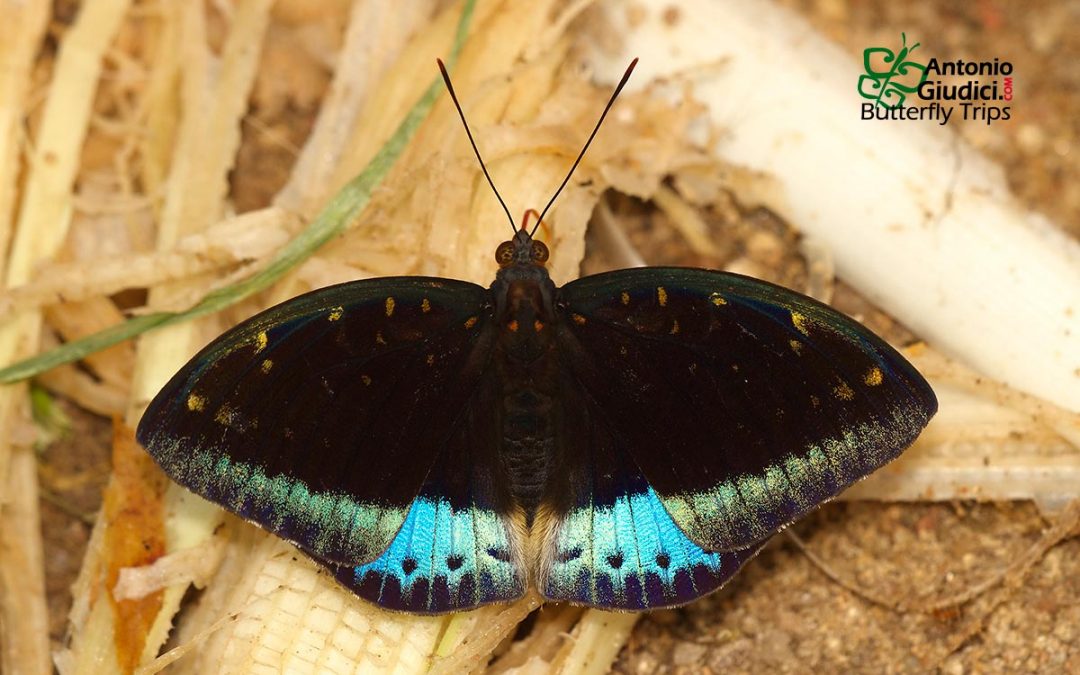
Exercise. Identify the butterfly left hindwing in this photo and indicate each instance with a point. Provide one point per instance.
(455, 550)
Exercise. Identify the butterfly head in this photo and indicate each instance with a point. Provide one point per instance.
(521, 250)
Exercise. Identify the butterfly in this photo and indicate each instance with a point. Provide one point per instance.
(626, 441)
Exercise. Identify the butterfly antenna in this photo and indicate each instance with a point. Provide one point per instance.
(611, 101)
(461, 113)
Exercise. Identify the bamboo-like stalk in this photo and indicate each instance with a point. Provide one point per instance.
(20, 37)
(40, 229)
(214, 100)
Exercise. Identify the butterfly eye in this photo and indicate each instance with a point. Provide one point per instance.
(539, 252)
(504, 255)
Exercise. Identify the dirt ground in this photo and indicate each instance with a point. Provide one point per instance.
(786, 612)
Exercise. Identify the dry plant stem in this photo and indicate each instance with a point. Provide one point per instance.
(40, 230)
(72, 320)
(374, 38)
(206, 146)
(462, 650)
(550, 631)
(253, 235)
(20, 37)
(613, 239)
(595, 642)
(97, 397)
(687, 220)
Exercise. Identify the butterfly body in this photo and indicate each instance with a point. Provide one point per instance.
(526, 370)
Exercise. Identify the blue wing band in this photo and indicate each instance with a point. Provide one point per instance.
(618, 548)
(443, 559)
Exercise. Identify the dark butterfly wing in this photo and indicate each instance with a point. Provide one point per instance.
(743, 403)
(615, 545)
(455, 550)
(320, 418)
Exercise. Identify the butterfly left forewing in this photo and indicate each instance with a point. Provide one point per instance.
(320, 418)
(744, 404)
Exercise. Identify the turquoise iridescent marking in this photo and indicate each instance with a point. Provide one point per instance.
(332, 526)
(749, 507)
(466, 552)
(629, 555)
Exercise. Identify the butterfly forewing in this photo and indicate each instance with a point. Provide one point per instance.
(320, 418)
(744, 404)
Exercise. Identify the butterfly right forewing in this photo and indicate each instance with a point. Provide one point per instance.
(744, 404)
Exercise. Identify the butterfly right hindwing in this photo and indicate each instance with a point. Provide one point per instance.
(613, 544)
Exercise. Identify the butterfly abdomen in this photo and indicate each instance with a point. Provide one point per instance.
(528, 446)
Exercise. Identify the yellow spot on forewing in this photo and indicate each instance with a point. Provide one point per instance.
(717, 299)
(538, 325)
(470, 322)
(379, 339)
(267, 364)
(843, 391)
(196, 403)
(513, 325)
(661, 296)
(625, 298)
(225, 415)
(261, 341)
(874, 377)
(799, 321)
(796, 346)
(425, 306)
(430, 359)
(389, 306)
(336, 313)
(365, 379)
(579, 320)
(675, 327)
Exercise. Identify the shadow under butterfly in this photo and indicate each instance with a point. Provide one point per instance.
(625, 441)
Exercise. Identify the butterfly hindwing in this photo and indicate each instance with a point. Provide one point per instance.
(454, 551)
(614, 545)
(744, 404)
(320, 418)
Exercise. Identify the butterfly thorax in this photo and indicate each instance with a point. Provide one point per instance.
(527, 371)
